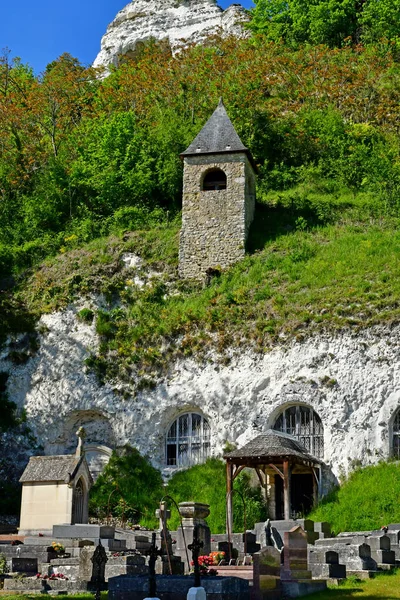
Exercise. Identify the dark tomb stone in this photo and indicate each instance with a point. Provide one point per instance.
(29, 566)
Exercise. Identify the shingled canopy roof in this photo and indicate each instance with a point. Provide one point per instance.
(272, 446)
(51, 468)
(218, 136)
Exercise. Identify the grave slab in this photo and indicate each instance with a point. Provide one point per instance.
(176, 587)
(84, 531)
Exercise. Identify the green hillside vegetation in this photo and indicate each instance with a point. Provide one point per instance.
(90, 169)
(131, 489)
(367, 500)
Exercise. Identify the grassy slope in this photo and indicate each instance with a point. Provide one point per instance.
(367, 500)
(304, 272)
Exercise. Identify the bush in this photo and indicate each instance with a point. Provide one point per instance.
(206, 483)
(130, 486)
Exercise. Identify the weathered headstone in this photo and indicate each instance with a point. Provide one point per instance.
(296, 578)
(380, 549)
(325, 564)
(266, 573)
(295, 555)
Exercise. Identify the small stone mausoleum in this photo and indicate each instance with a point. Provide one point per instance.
(55, 491)
(218, 198)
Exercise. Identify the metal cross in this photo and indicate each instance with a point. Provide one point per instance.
(154, 553)
(195, 548)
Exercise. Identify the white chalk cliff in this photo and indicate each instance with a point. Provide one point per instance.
(179, 21)
(351, 381)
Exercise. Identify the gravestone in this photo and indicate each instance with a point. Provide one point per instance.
(154, 553)
(28, 566)
(266, 573)
(325, 564)
(296, 579)
(356, 556)
(167, 563)
(380, 550)
(295, 555)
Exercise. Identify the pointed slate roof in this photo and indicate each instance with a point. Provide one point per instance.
(270, 446)
(217, 136)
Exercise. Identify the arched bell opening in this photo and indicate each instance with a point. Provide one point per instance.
(214, 180)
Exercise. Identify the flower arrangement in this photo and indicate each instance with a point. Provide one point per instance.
(217, 557)
(209, 560)
(58, 547)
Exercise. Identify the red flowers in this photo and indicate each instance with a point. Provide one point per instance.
(209, 560)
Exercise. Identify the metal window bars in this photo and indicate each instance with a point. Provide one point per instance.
(188, 440)
(303, 423)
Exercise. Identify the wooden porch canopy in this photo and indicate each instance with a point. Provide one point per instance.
(274, 451)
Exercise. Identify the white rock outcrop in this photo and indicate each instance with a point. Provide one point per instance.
(351, 380)
(179, 21)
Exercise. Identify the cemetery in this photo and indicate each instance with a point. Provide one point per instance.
(56, 549)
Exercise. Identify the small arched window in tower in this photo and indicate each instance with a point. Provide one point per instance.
(214, 180)
(304, 424)
(396, 435)
(188, 441)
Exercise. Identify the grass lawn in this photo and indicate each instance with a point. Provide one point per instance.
(382, 587)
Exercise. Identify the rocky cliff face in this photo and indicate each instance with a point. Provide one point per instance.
(350, 380)
(179, 21)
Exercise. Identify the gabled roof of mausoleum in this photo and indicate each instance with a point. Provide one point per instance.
(217, 136)
(272, 446)
(51, 468)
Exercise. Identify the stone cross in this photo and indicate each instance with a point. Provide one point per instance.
(163, 515)
(81, 433)
(195, 548)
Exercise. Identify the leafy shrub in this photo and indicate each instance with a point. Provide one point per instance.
(207, 483)
(129, 485)
(3, 564)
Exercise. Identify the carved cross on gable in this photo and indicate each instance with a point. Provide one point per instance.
(81, 433)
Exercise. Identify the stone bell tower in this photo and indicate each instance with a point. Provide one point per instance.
(218, 198)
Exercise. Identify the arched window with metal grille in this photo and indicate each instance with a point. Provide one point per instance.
(303, 423)
(188, 441)
(396, 435)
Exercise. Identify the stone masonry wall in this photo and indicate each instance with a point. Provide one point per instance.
(214, 223)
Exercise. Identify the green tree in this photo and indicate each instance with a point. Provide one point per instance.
(130, 486)
(316, 21)
(380, 19)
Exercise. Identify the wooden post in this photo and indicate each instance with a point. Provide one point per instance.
(229, 503)
(286, 489)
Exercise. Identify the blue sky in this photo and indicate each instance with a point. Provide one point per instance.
(39, 31)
